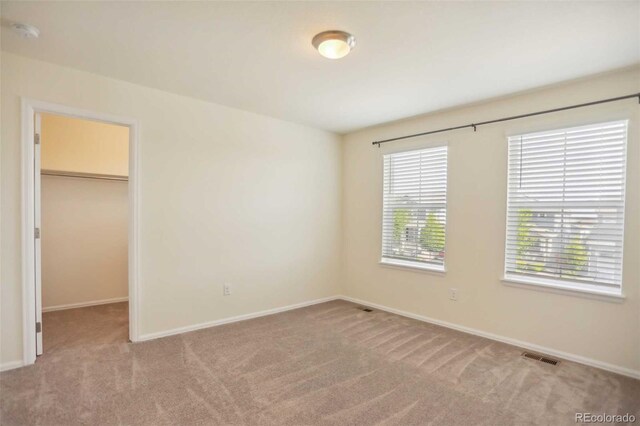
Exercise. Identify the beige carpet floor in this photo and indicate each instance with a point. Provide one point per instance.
(328, 364)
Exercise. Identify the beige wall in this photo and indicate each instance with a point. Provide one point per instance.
(604, 331)
(84, 240)
(226, 196)
(74, 145)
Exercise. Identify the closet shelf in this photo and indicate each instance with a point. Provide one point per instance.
(83, 175)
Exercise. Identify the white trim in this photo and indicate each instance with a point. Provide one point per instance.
(29, 108)
(558, 287)
(11, 365)
(416, 266)
(415, 146)
(28, 225)
(85, 304)
(228, 320)
(514, 342)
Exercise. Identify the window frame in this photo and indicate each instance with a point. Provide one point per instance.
(557, 285)
(400, 264)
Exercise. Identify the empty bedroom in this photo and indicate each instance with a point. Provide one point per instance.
(319, 213)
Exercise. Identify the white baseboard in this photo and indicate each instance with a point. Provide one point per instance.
(11, 365)
(510, 341)
(85, 304)
(194, 327)
(514, 342)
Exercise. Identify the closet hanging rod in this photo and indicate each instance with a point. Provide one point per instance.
(514, 117)
(83, 175)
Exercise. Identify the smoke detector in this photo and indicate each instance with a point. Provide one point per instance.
(25, 30)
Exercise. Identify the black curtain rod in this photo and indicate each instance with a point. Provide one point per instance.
(515, 117)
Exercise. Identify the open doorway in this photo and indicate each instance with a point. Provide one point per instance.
(83, 256)
(79, 229)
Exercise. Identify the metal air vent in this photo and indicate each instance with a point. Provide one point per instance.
(540, 358)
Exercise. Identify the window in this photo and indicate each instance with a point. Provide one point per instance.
(415, 208)
(565, 209)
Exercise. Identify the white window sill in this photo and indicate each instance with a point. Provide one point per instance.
(563, 288)
(415, 266)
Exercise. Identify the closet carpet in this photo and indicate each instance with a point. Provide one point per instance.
(328, 364)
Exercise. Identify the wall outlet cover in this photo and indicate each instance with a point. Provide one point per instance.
(453, 294)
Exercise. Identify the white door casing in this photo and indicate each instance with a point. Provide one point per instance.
(37, 221)
(31, 278)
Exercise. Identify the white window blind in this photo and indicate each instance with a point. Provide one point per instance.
(415, 208)
(565, 210)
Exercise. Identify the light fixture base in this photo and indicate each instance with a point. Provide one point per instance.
(334, 44)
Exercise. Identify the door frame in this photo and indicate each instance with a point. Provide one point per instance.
(29, 108)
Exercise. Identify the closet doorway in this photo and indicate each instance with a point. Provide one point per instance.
(84, 173)
(81, 294)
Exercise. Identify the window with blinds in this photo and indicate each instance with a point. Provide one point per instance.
(415, 208)
(565, 210)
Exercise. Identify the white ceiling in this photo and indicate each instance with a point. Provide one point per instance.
(411, 57)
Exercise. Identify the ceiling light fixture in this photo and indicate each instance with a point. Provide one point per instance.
(334, 44)
(25, 30)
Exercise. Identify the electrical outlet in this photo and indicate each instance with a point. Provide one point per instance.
(226, 289)
(453, 294)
